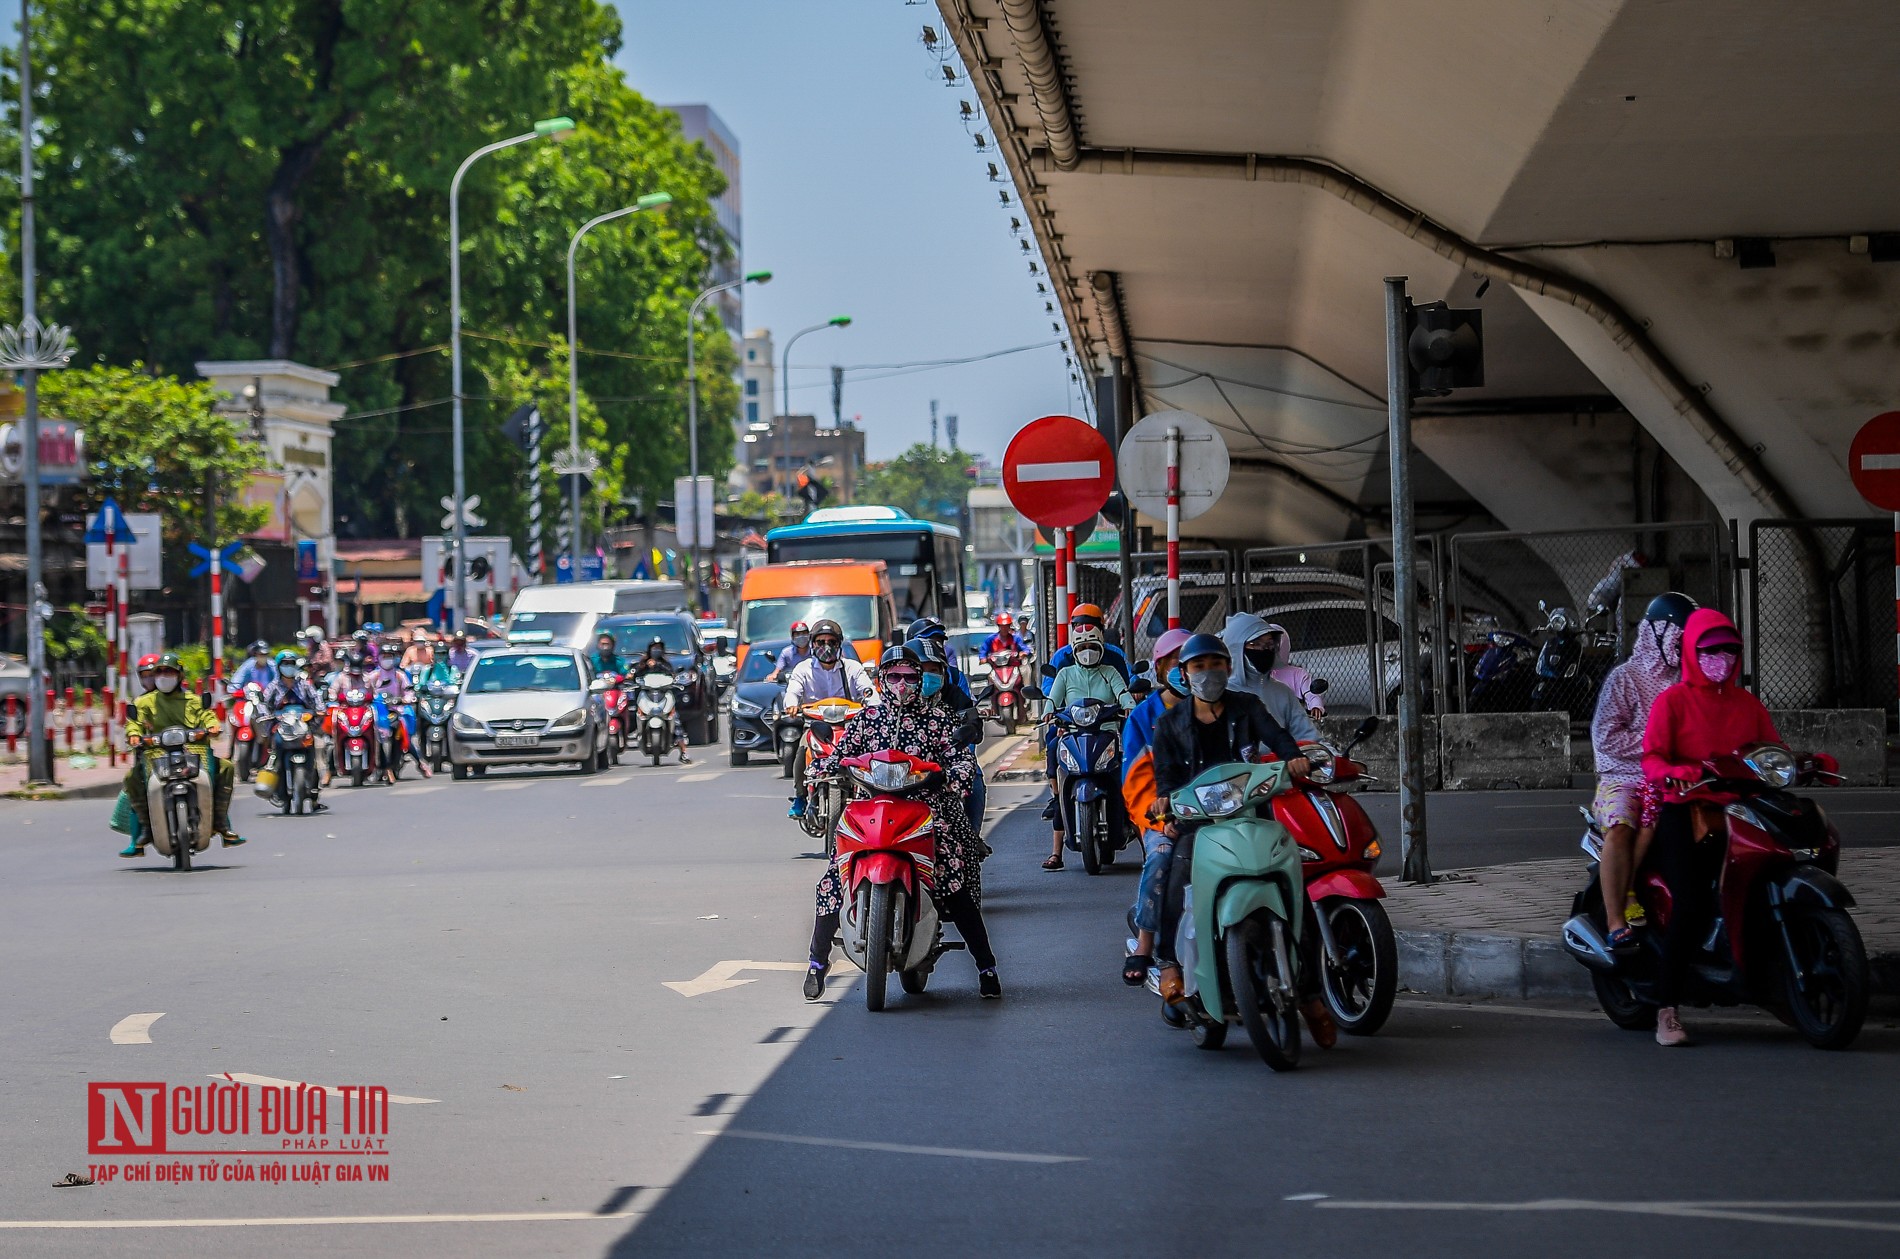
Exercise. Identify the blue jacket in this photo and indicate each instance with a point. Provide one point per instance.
(1066, 656)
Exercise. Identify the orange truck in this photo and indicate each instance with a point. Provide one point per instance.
(854, 593)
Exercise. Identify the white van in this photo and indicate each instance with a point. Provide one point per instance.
(565, 615)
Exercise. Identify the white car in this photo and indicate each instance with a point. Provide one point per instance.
(529, 706)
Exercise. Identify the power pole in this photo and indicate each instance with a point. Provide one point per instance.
(933, 423)
(1417, 867)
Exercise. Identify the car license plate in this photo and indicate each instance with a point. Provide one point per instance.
(516, 740)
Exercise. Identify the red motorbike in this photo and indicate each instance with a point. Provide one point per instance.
(246, 756)
(887, 857)
(1349, 937)
(351, 723)
(1006, 700)
(1782, 938)
(825, 721)
(620, 714)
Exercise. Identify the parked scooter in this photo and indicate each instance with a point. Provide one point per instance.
(1088, 752)
(1245, 912)
(1782, 937)
(294, 760)
(434, 706)
(1500, 678)
(178, 787)
(656, 703)
(248, 714)
(354, 744)
(824, 722)
(887, 851)
(1006, 699)
(1566, 679)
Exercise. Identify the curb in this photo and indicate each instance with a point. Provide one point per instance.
(87, 791)
(1475, 964)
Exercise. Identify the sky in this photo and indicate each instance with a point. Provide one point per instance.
(864, 195)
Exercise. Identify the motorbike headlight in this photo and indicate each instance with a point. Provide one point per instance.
(687, 677)
(172, 738)
(568, 722)
(292, 729)
(465, 724)
(746, 709)
(1307, 854)
(1105, 759)
(1774, 765)
(1067, 758)
(1224, 798)
(1321, 769)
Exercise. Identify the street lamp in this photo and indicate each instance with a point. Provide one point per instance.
(547, 128)
(652, 201)
(785, 371)
(692, 414)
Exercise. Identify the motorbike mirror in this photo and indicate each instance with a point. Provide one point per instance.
(1365, 731)
(722, 644)
(1142, 666)
(1542, 606)
(1318, 686)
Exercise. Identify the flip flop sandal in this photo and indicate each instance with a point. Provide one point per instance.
(1135, 969)
(1054, 863)
(1622, 938)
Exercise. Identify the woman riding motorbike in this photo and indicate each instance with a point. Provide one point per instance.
(906, 722)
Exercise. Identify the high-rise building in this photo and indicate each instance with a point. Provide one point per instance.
(699, 122)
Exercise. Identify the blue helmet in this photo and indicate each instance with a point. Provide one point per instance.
(925, 627)
(1204, 645)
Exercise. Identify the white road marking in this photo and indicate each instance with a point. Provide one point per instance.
(1746, 1212)
(418, 789)
(1567, 805)
(284, 1221)
(616, 781)
(702, 777)
(1071, 470)
(1586, 1016)
(1305, 1197)
(886, 1147)
(504, 786)
(135, 1029)
(995, 754)
(719, 977)
(245, 1077)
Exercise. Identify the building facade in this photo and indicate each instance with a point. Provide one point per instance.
(776, 452)
(699, 122)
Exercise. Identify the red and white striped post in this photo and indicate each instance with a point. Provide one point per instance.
(1075, 578)
(1174, 527)
(1061, 610)
(217, 624)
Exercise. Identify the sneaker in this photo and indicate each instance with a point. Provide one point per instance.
(988, 986)
(684, 759)
(815, 981)
(1669, 1029)
(797, 809)
(231, 839)
(133, 849)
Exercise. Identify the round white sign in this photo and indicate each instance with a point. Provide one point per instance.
(1143, 463)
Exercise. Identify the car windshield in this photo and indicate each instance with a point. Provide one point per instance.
(495, 675)
(762, 659)
(543, 627)
(631, 639)
(772, 618)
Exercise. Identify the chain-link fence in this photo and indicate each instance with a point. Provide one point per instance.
(1541, 618)
(1207, 587)
(1821, 613)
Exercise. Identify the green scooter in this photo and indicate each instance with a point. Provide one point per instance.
(1246, 900)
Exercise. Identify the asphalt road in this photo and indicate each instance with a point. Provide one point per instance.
(501, 948)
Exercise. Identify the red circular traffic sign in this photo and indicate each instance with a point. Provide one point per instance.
(1058, 471)
(1874, 461)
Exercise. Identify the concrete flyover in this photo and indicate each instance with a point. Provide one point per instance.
(1679, 221)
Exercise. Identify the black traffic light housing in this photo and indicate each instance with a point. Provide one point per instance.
(1444, 347)
(479, 567)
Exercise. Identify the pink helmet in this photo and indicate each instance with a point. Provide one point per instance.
(1171, 642)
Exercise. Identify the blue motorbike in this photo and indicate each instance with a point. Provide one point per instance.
(1087, 747)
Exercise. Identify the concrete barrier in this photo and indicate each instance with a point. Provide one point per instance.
(1857, 736)
(1380, 753)
(1491, 751)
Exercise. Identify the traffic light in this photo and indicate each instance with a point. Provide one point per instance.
(812, 490)
(479, 568)
(1445, 348)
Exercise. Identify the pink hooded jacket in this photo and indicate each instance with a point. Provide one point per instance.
(1616, 731)
(1696, 718)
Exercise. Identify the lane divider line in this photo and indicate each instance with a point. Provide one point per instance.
(887, 1147)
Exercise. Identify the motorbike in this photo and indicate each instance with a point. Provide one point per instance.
(824, 722)
(618, 701)
(355, 747)
(887, 847)
(294, 747)
(1350, 940)
(246, 715)
(1088, 752)
(1565, 679)
(1006, 699)
(1498, 676)
(656, 703)
(1782, 937)
(434, 706)
(178, 792)
(392, 733)
(1238, 942)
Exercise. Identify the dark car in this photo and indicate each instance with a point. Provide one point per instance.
(692, 666)
(755, 702)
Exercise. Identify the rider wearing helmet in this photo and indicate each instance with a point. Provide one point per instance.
(288, 689)
(1086, 676)
(1085, 626)
(932, 644)
(160, 709)
(147, 663)
(1625, 807)
(439, 671)
(1214, 726)
(906, 722)
(460, 657)
(255, 669)
(827, 674)
(1138, 793)
(606, 655)
(657, 659)
(795, 653)
(1005, 637)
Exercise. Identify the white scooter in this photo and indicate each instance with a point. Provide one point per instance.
(178, 786)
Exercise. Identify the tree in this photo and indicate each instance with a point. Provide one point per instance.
(927, 482)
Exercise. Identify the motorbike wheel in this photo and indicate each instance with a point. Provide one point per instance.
(913, 980)
(1834, 963)
(1361, 995)
(241, 763)
(293, 795)
(1009, 722)
(1085, 813)
(183, 837)
(1208, 1036)
(785, 761)
(357, 775)
(877, 944)
(1252, 967)
(1622, 1006)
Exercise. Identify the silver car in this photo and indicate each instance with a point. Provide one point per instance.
(529, 706)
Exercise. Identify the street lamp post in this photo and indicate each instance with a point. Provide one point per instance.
(692, 415)
(547, 127)
(785, 373)
(652, 201)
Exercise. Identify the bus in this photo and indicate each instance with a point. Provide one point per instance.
(924, 559)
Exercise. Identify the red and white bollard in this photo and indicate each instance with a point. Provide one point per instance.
(1174, 527)
(1061, 610)
(217, 622)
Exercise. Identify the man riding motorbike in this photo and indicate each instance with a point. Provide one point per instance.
(167, 705)
(255, 669)
(1138, 793)
(605, 658)
(289, 688)
(1624, 807)
(387, 685)
(828, 674)
(1085, 625)
(1004, 639)
(795, 653)
(318, 653)
(1252, 642)
(657, 659)
(439, 672)
(929, 731)
(1088, 675)
(460, 657)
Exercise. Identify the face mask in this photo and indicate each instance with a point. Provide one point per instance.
(168, 682)
(286, 670)
(827, 652)
(1085, 634)
(900, 686)
(1175, 682)
(1717, 666)
(931, 685)
(1261, 658)
(802, 641)
(1088, 655)
(1209, 686)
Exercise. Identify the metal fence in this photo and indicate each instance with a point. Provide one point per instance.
(1820, 618)
(1207, 595)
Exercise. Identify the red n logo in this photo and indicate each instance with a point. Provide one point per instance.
(125, 1118)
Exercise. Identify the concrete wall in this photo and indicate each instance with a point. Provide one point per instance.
(1380, 753)
(1857, 736)
(1505, 750)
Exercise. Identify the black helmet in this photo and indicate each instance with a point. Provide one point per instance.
(930, 651)
(925, 627)
(901, 653)
(657, 642)
(827, 626)
(1673, 607)
(1203, 645)
(260, 648)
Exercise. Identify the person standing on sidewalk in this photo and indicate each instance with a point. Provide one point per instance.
(1623, 807)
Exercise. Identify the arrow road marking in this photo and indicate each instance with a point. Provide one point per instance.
(245, 1077)
(1074, 470)
(135, 1029)
(720, 976)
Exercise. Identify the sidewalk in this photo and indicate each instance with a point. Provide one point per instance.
(97, 781)
(1492, 931)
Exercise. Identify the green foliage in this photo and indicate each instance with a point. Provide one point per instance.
(73, 638)
(925, 481)
(152, 441)
(270, 178)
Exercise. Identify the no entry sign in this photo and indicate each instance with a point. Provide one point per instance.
(1058, 471)
(1874, 461)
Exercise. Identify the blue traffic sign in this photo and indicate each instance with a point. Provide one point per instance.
(592, 569)
(563, 570)
(226, 555)
(110, 526)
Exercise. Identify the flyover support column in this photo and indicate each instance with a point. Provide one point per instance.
(1398, 388)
